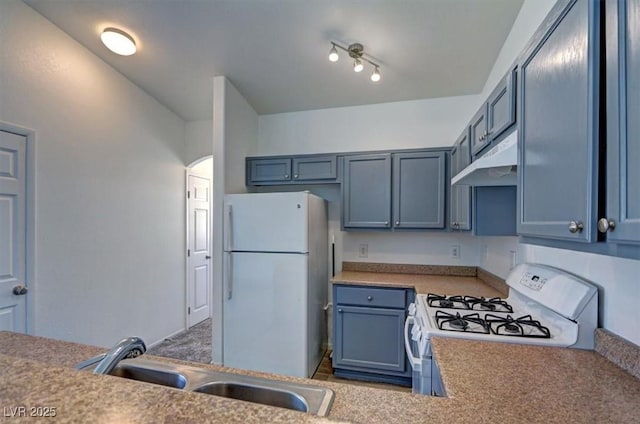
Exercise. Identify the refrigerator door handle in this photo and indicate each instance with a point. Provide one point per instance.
(228, 227)
(229, 275)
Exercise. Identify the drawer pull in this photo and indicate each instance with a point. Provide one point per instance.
(369, 298)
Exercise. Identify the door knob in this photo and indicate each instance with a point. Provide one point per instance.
(576, 227)
(605, 225)
(20, 290)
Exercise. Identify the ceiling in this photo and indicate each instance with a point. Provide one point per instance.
(275, 51)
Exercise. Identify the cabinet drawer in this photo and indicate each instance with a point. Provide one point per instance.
(366, 296)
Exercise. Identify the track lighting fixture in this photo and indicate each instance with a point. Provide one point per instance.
(356, 52)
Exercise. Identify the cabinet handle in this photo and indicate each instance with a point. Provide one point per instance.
(369, 298)
(295, 176)
(576, 227)
(340, 310)
(605, 225)
(397, 222)
(386, 222)
(286, 176)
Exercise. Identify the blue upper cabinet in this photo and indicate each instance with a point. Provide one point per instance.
(501, 106)
(558, 125)
(411, 198)
(495, 116)
(419, 190)
(622, 220)
(315, 168)
(302, 169)
(264, 170)
(460, 198)
(478, 130)
(366, 191)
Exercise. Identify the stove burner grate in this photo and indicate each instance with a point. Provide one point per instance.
(470, 323)
(495, 304)
(525, 326)
(451, 302)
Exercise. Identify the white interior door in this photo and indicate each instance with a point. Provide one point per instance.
(13, 315)
(199, 253)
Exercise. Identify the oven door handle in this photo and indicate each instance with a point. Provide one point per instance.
(416, 363)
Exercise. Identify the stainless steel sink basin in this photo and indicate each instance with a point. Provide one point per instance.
(164, 378)
(257, 394)
(300, 397)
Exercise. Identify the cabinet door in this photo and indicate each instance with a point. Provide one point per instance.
(263, 170)
(370, 338)
(366, 191)
(315, 168)
(460, 206)
(501, 106)
(478, 130)
(558, 125)
(418, 190)
(623, 110)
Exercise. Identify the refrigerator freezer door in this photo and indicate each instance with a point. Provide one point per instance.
(265, 320)
(267, 222)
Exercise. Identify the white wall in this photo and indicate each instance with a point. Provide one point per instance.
(241, 138)
(235, 136)
(398, 125)
(109, 187)
(198, 140)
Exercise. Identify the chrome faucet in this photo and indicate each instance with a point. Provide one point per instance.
(129, 347)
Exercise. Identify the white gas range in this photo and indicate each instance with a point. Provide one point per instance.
(546, 306)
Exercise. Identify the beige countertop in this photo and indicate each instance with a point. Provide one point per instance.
(518, 383)
(422, 283)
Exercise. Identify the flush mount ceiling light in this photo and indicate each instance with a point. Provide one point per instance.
(356, 52)
(118, 41)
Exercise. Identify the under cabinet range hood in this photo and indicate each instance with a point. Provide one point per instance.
(496, 168)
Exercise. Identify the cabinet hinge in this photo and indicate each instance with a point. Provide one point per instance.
(188, 252)
(188, 194)
(189, 310)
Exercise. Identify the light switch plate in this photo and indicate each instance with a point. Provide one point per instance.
(363, 252)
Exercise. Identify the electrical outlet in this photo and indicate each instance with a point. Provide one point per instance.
(454, 251)
(364, 251)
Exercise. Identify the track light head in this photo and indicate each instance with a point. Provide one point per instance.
(333, 54)
(357, 65)
(375, 76)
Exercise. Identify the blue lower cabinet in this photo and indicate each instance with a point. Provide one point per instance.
(368, 334)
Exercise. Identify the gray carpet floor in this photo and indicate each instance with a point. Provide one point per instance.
(191, 345)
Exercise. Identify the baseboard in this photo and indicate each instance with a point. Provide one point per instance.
(157, 342)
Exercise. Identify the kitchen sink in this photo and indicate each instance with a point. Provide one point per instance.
(283, 394)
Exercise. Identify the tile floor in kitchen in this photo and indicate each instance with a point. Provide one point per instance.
(195, 345)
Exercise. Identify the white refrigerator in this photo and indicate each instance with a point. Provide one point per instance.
(275, 282)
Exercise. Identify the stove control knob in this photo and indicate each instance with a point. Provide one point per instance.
(412, 309)
(576, 227)
(605, 225)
